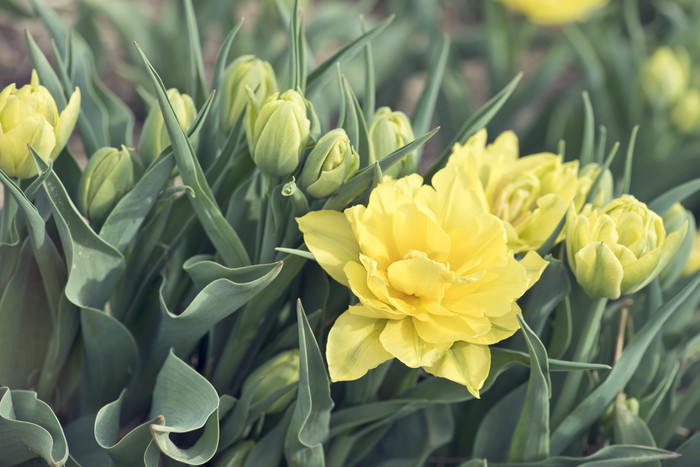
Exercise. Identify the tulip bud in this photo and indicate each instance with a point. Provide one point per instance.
(279, 371)
(29, 116)
(245, 71)
(236, 456)
(693, 263)
(278, 131)
(331, 162)
(154, 137)
(665, 75)
(389, 131)
(618, 249)
(685, 116)
(108, 176)
(675, 219)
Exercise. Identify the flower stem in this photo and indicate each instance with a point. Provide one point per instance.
(582, 354)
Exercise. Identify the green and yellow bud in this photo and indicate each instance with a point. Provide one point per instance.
(551, 12)
(618, 249)
(665, 75)
(276, 373)
(246, 71)
(29, 116)
(685, 115)
(278, 131)
(693, 263)
(389, 131)
(154, 136)
(331, 162)
(236, 456)
(109, 175)
(674, 219)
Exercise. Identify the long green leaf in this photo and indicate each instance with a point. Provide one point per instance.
(663, 203)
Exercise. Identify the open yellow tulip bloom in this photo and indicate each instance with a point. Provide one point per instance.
(620, 248)
(29, 116)
(435, 279)
(554, 11)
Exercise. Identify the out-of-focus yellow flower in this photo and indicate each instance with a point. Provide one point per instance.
(389, 131)
(686, 113)
(665, 75)
(694, 259)
(154, 136)
(436, 281)
(331, 162)
(278, 131)
(530, 194)
(555, 11)
(245, 71)
(29, 116)
(618, 249)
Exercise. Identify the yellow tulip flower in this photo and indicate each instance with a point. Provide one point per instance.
(436, 281)
(549, 12)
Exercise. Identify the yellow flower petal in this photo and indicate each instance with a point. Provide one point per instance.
(464, 363)
(400, 339)
(599, 271)
(353, 346)
(330, 239)
(502, 327)
(534, 267)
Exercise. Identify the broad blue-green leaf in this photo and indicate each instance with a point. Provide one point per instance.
(689, 451)
(310, 421)
(420, 120)
(187, 402)
(550, 289)
(270, 448)
(628, 427)
(663, 202)
(194, 54)
(84, 449)
(531, 436)
(94, 266)
(593, 406)
(493, 437)
(136, 447)
(111, 355)
(220, 232)
(29, 430)
(610, 456)
(26, 324)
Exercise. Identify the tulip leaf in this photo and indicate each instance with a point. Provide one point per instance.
(649, 403)
(47, 76)
(84, 449)
(194, 54)
(682, 408)
(111, 355)
(562, 330)
(270, 448)
(368, 101)
(187, 402)
(29, 430)
(360, 137)
(689, 453)
(26, 323)
(132, 448)
(220, 232)
(363, 179)
(94, 266)
(588, 138)
(610, 456)
(627, 176)
(531, 437)
(628, 427)
(551, 288)
(476, 122)
(309, 426)
(663, 203)
(501, 419)
(317, 77)
(596, 402)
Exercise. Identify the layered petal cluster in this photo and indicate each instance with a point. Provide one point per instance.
(620, 248)
(551, 12)
(29, 116)
(436, 281)
(530, 194)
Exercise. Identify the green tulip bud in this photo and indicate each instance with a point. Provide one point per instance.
(389, 131)
(108, 176)
(236, 456)
(279, 371)
(245, 71)
(29, 116)
(154, 136)
(675, 219)
(685, 115)
(278, 131)
(331, 162)
(665, 75)
(618, 249)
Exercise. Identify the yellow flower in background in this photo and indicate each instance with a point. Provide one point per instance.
(29, 115)
(389, 131)
(620, 248)
(694, 259)
(531, 194)
(665, 75)
(551, 12)
(685, 115)
(436, 281)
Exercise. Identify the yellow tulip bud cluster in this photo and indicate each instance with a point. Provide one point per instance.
(29, 116)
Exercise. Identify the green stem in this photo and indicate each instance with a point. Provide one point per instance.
(582, 354)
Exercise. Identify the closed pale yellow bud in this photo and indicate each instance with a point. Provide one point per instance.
(108, 176)
(278, 131)
(276, 373)
(675, 219)
(551, 12)
(620, 248)
(331, 162)
(685, 115)
(389, 131)
(693, 263)
(154, 136)
(29, 116)
(665, 75)
(246, 71)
